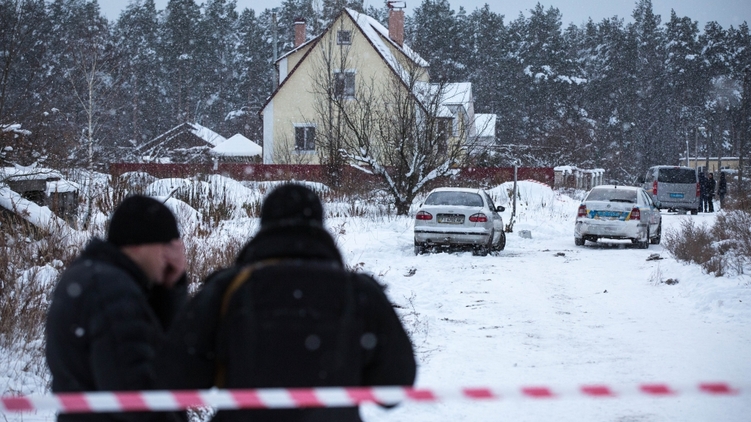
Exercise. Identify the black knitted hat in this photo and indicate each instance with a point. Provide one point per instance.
(291, 204)
(139, 220)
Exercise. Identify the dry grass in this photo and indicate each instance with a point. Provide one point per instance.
(724, 248)
(31, 260)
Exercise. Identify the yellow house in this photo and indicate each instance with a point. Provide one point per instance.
(725, 163)
(354, 59)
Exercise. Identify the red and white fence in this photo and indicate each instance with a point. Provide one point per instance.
(277, 398)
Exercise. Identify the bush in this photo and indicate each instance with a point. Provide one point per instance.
(721, 249)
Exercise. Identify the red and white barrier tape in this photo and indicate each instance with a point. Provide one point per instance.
(277, 398)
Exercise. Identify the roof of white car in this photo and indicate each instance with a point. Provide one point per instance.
(450, 189)
(616, 187)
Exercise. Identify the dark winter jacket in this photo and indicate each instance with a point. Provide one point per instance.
(722, 188)
(298, 320)
(702, 185)
(711, 184)
(105, 325)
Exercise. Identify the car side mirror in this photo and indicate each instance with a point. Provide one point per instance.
(640, 180)
(500, 208)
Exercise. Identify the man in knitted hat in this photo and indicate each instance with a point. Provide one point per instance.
(289, 314)
(111, 308)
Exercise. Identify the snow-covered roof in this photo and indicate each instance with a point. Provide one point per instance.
(452, 94)
(61, 186)
(28, 173)
(378, 36)
(297, 48)
(207, 134)
(485, 125)
(459, 93)
(237, 146)
(573, 169)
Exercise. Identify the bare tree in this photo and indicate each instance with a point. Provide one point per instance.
(331, 86)
(400, 131)
(92, 78)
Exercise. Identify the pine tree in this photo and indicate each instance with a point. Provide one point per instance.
(255, 73)
(685, 86)
(434, 36)
(141, 115)
(216, 63)
(25, 34)
(179, 43)
(649, 124)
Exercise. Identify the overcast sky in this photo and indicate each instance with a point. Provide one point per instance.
(726, 12)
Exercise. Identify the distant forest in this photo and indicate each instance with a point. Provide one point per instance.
(608, 94)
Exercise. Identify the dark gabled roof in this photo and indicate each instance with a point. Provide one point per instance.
(211, 138)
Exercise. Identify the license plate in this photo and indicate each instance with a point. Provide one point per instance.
(451, 218)
(608, 215)
(676, 195)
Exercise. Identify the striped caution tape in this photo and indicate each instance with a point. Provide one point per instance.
(279, 398)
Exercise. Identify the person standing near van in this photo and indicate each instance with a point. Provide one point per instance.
(722, 189)
(702, 192)
(711, 185)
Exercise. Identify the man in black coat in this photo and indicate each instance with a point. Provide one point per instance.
(112, 306)
(722, 189)
(288, 314)
(702, 192)
(711, 186)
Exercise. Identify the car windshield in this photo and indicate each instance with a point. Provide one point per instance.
(467, 199)
(612, 195)
(677, 175)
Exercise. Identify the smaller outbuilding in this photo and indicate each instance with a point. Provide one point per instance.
(237, 149)
(43, 187)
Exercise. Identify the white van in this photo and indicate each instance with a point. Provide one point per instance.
(674, 188)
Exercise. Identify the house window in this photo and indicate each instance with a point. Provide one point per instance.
(344, 84)
(305, 138)
(344, 37)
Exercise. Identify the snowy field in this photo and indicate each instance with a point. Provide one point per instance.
(545, 312)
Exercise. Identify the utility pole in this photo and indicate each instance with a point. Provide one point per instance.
(696, 146)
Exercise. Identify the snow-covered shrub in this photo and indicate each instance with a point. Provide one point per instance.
(732, 234)
(724, 248)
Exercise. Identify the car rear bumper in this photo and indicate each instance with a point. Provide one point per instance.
(681, 204)
(459, 236)
(610, 229)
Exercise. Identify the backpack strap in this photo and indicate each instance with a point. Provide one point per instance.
(237, 282)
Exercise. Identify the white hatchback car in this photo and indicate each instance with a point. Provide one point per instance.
(459, 218)
(618, 212)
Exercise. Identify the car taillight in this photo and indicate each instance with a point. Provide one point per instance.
(698, 189)
(582, 211)
(478, 218)
(654, 187)
(422, 215)
(635, 214)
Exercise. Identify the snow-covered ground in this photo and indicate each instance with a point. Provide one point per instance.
(545, 312)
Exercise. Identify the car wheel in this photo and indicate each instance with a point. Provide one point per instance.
(645, 243)
(480, 251)
(419, 249)
(694, 212)
(579, 241)
(656, 240)
(501, 242)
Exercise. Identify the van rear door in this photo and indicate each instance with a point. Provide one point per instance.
(676, 185)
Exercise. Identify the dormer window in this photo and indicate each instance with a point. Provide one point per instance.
(344, 37)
